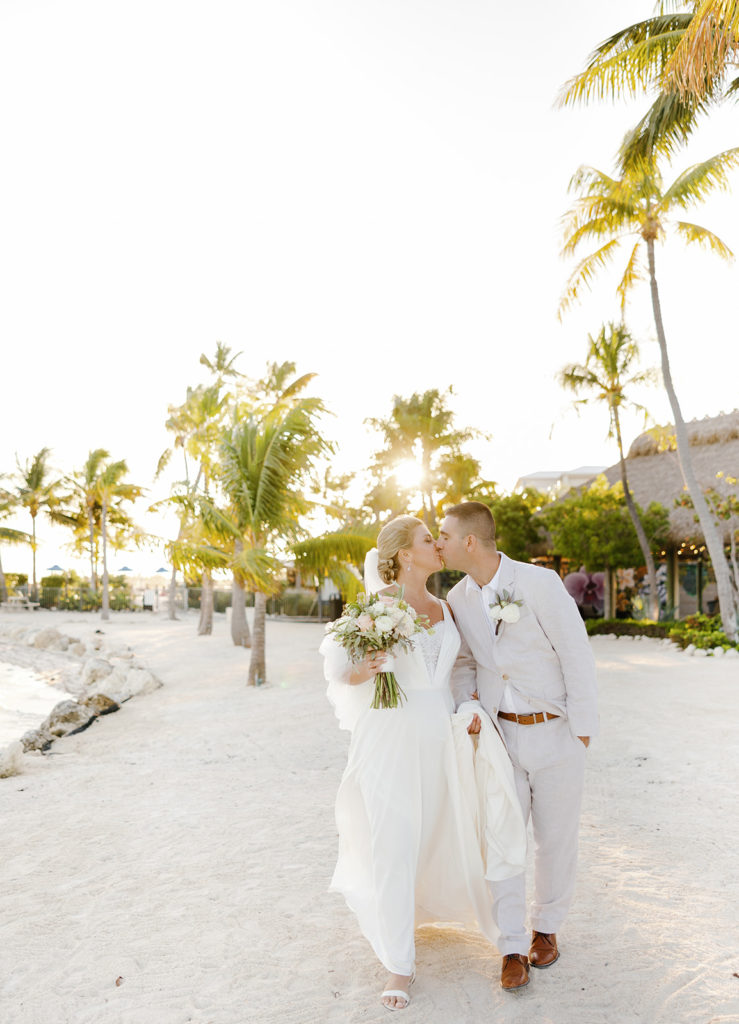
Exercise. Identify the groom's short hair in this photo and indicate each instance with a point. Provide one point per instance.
(476, 518)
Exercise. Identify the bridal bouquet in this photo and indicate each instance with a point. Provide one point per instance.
(378, 623)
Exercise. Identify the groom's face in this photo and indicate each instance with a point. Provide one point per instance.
(452, 545)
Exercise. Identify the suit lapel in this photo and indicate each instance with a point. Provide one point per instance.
(478, 634)
(506, 582)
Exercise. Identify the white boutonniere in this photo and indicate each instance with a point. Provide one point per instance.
(505, 609)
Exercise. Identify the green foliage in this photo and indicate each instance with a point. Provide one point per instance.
(516, 528)
(332, 554)
(702, 631)
(14, 580)
(592, 527)
(627, 627)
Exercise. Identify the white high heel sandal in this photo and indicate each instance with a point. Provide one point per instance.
(398, 993)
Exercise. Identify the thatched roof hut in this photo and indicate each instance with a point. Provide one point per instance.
(654, 471)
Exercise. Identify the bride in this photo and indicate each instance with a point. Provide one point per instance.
(416, 838)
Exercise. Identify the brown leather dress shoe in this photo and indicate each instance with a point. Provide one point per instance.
(543, 952)
(515, 971)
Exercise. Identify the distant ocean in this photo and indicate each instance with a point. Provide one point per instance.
(25, 701)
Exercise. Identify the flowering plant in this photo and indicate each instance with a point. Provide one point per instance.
(378, 623)
(505, 609)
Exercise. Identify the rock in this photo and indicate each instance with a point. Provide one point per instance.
(690, 649)
(100, 704)
(35, 739)
(700, 652)
(68, 717)
(48, 637)
(124, 683)
(732, 653)
(11, 760)
(95, 669)
(718, 652)
(79, 650)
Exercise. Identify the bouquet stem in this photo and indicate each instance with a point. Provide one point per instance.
(388, 694)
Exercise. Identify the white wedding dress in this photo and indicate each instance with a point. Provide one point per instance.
(424, 813)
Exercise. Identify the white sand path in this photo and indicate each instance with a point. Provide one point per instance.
(185, 844)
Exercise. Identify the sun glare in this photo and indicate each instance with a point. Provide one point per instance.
(409, 473)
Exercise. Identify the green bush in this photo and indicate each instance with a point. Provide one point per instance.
(702, 631)
(627, 627)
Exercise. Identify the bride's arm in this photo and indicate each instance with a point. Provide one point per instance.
(339, 668)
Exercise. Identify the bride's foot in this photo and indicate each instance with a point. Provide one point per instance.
(396, 995)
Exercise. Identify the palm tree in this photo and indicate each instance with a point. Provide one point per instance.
(8, 504)
(607, 374)
(708, 46)
(419, 427)
(37, 493)
(197, 426)
(264, 460)
(639, 59)
(85, 496)
(112, 489)
(636, 207)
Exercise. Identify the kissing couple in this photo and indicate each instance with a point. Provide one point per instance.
(500, 706)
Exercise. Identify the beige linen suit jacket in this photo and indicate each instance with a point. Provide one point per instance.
(545, 656)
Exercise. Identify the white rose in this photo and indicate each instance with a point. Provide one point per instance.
(397, 614)
(406, 627)
(496, 612)
(510, 613)
(384, 624)
(375, 609)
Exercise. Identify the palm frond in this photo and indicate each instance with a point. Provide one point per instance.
(694, 233)
(667, 125)
(8, 536)
(585, 271)
(258, 569)
(699, 181)
(628, 62)
(633, 273)
(708, 44)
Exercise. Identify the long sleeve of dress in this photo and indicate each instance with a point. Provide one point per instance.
(348, 701)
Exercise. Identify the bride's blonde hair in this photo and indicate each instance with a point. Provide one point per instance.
(393, 537)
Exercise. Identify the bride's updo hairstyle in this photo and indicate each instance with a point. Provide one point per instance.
(394, 536)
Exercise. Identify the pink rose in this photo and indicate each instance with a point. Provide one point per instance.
(365, 622)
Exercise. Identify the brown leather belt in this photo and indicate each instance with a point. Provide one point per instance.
(532, 719)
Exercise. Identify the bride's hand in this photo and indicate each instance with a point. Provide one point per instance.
(368, 667)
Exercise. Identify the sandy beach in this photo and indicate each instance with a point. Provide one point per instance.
(170, 864)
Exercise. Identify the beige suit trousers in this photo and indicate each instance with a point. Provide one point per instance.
(549, 767)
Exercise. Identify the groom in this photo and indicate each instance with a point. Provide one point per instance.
(526, 653)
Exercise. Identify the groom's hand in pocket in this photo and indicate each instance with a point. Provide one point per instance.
(585, 740)
(475, 725)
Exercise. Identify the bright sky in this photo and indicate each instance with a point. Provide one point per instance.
(371, 189)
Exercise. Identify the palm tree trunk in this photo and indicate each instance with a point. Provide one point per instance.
(93, 574)
(105, 613)
(205, 625)
(257, 662)
(3, 584)
(171, 596)
(713, 539)
(640, 532)
(608, 611)
(732, 554)
(33, 555)
(239, 626)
